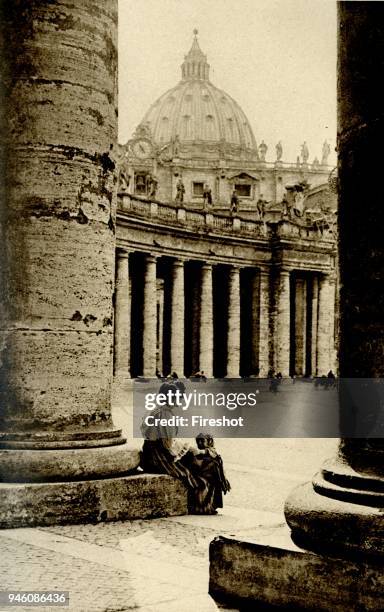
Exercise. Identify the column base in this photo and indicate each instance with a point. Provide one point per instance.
(326, 517)
(267, 571)
(139, 496)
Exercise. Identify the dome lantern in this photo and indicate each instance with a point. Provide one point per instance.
(195, 65)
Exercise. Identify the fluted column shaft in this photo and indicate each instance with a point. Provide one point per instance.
(177, 318)
(233, 345)
(122, 330)
(282, 324)
(206, 321)
(149, 317)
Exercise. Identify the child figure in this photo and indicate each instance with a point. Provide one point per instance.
(209, 456)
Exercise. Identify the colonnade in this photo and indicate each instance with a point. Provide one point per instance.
(174, 315)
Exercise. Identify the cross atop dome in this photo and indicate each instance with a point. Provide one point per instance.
(195, 65)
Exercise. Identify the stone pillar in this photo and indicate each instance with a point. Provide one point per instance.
(314, 323)
(300, 325)
(159, 323)
(343, 505)
(122, 329)
(206, 321)
(339, 515)
(177, 318)
(255, 331)
(264, 335)
(149, 317)
(282, 324)
(326, 311)
(59, 136)
(233, 346)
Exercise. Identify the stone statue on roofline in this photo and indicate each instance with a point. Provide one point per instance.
(325, 153)
(279, 151)
(124, 180)
(152, 185)
(263, 150)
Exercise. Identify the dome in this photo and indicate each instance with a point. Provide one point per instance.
(195, 111)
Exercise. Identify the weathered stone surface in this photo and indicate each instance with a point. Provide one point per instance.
(67, 464)
(109, 499)
(267, 571)
(58, 214)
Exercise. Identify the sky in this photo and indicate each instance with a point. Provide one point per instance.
(276, 58)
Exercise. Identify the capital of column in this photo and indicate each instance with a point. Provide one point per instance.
(150, 257)
(178, 263)
(122, 253)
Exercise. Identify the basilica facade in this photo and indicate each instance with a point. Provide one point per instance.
(225, 261)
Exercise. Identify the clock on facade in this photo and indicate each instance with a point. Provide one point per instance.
(142, 148)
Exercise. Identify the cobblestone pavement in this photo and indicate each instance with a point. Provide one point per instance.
(162, 564)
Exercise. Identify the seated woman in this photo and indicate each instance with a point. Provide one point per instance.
(200, 469)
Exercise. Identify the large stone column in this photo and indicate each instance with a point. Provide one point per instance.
(59, 134)
(159, 324)
(343, 505)
(177, 318)
(255, 322)
(206, 321)
(282, 323)
(339, 516)
(314, 323)
(264, 335)
(149, 317)
(122, 329)
(233, 345)
(325, 324)
(300, 325)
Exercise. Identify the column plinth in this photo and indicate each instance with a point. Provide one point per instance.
(177, 318)
(233, 345)
(206, 322)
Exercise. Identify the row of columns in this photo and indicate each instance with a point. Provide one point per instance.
(278, 344)
(206, 342)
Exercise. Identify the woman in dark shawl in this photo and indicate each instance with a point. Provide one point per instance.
(200, 469)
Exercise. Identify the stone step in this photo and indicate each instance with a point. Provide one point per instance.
(138, 496)
(265, 570)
